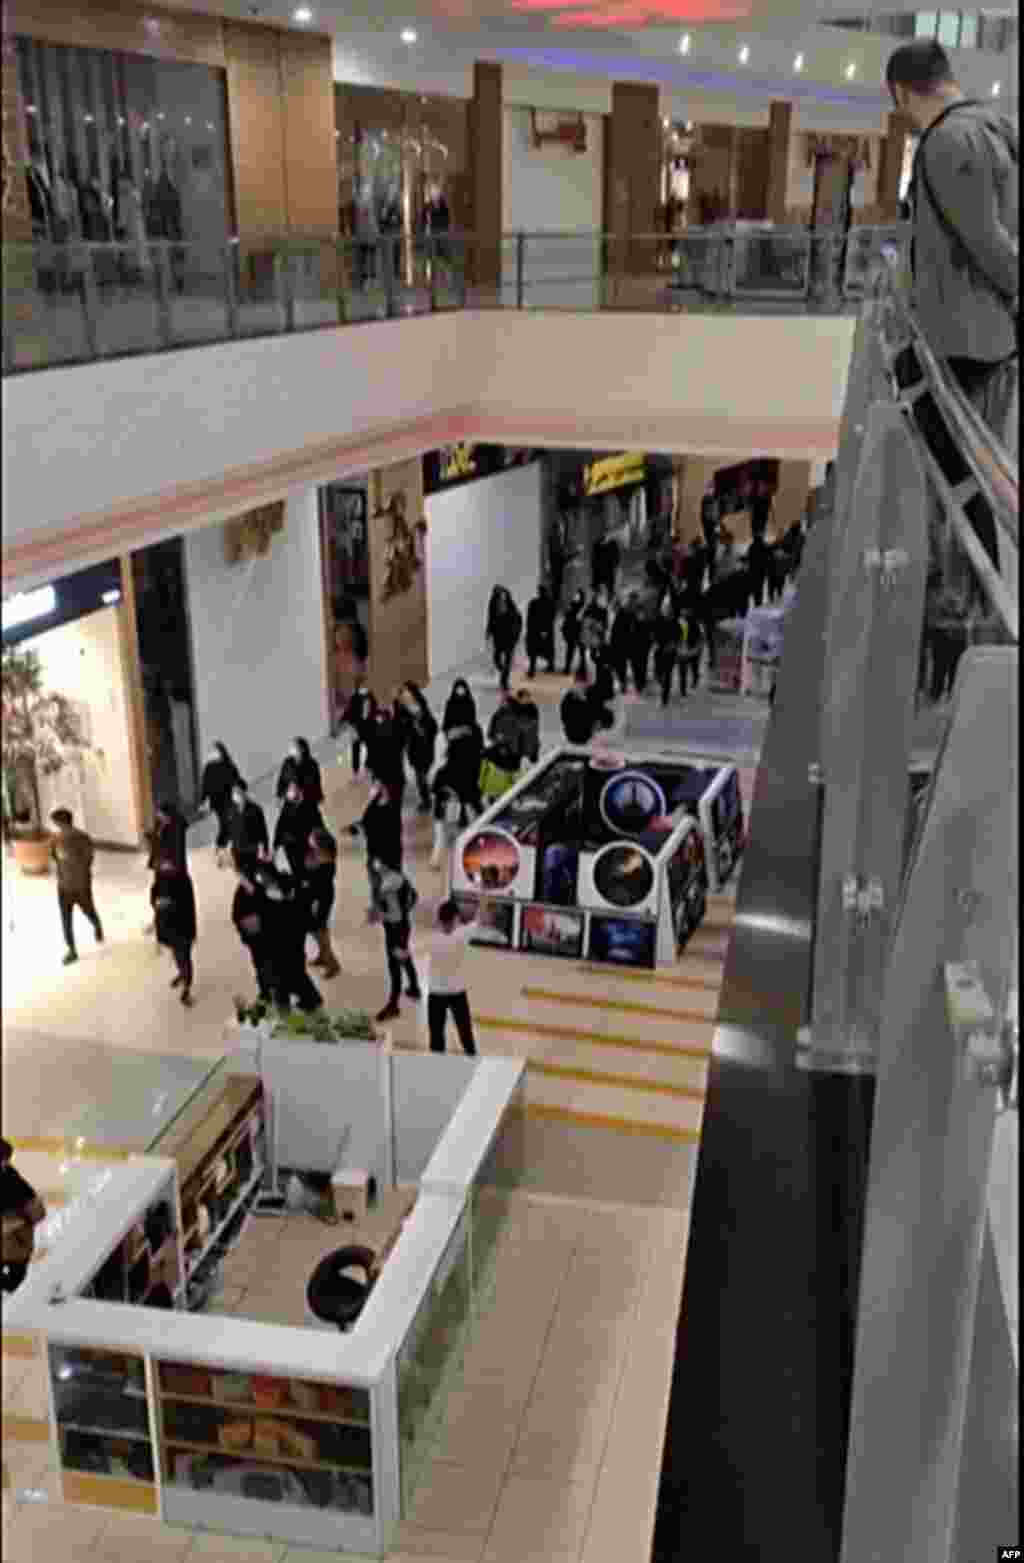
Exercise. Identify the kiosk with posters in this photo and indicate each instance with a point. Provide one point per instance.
(591, 855)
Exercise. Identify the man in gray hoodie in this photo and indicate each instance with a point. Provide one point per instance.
(965, 199)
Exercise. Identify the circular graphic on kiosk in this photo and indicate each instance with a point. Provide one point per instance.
(631, 802)
(491, 860)
(623, 875)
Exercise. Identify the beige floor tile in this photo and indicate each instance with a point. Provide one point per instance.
(131, 1538)
(456, 1499)
(51, 1533)
(439, 1546)
(539, 1519)
(233, 1549)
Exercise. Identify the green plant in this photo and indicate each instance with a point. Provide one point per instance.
(41, 731)
(343, 1025)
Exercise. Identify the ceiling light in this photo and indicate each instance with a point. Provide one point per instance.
(798, 63)
(408, 35)
(744, 54)
(997, 87)
(87, 118)
(188, 119)
(302, 13)
(684, 44)
(851, 70)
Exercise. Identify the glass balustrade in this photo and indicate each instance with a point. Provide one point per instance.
(75, 302)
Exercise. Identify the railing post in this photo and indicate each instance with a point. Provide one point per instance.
(385, 247)
(284, 290)
(161, 280)
(230, 290)
(520, 268)
(90, 306)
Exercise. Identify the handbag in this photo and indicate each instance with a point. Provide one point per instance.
(951, 230)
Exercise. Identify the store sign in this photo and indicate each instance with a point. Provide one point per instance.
(465, 463)
(456, 461)
(33, 613)
(613, 472)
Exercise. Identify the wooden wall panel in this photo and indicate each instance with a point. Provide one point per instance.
(753, 173)
(17, 216)
(169, 35)
(780, 130)
(486, 120)
(399, 645)
(256, 121)
(310, 148)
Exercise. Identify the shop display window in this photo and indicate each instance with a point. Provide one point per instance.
(123, 149)
(498, 924)
(552, 931)
(276, 1440)
(102, 1413)
(622, 941)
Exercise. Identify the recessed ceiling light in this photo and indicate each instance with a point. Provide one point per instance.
(744, 54)
(408, 35)
(684, 44)
(997, 88)
(302, 13)
(851, 70)
(798, 63)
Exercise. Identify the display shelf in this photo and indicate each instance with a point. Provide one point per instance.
(193, 1262)
(254, 1457)
(128, 1433)
(238, 1096)
(249, 1408)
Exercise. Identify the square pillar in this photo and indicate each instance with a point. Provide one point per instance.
(399, 647)
(892, 151)
(485, 175)
(780, 129)
(632, 175)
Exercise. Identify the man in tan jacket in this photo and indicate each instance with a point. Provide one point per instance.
(72, 851)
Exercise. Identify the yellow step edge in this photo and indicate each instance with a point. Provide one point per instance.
(110, 1492)
(13, 1345)
(702, 984)
(24, 1429)
(552, 996)
(540, 1066)
(567, 1115)
(61, 1147)
(598, 1038)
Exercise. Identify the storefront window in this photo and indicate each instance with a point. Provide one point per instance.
(124, 148)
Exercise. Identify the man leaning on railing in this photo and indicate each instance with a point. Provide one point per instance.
(965, 208)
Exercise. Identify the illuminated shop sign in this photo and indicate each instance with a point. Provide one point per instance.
(456, 461)
(465, 463)
(45, 607)
(613, 472)
(27, 607)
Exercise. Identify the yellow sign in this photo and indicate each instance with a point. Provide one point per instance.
(457, 461)
(613, 472)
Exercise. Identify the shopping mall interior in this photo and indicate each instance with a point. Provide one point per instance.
(318, 329)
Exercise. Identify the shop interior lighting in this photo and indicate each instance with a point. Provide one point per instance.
(30, 108)
(26, 606)
(87, 118)
(997, 88)
(408, 35)
(798, 63)
(112, 596)
(302, 13)
(188, 119)
(684, 44)
(744, 54)
(851, 70)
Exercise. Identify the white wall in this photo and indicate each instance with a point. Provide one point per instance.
(550, 189)
(258, 641)
(83, 661)
(477, 536)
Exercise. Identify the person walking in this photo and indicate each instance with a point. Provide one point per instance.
(393, 900)
(447, 991)
(594, 627)
(666, 646)
(72, 851)
(528, 715)
(639, 649)
(300, 767)
(622, 638)
(418, 726)
(250, 839)
(380, 827)
(504, 627)
(540, 631)
(318, 888)
(356, 717)
(965, 259)
(465, 748)
(710, 515)
(173, 899)
(572, 631)
(166, 841)
(758, 562)
(249, 915)
(298, 818)
(220, 773)
(21, 1211)
(284, 915)
(558, 556)
(385, 750)
(504, 735)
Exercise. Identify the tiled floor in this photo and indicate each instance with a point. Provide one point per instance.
(552, 1443)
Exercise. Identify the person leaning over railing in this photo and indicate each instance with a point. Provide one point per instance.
(965, 206)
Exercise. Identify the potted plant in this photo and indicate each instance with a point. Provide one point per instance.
(347, 1025)
(40, 732)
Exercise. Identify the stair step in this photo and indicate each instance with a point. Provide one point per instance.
(519, 1028)
(627, 1107)
(679, 1073)
(702, 984)
(707, 1002)
(625, 1082)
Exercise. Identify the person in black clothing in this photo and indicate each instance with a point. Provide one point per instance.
(605, 558)
(690, 645)
(385, 750)
(504, 627)
(694, 565)
(558, 551)
(540, 630)
(393, 900)
(220, 773)
(504, 735)
(357, 716)
(250, 839)
(318, 892)
(572, 630)
(778, 568)
(299, 766)
(666, 646)
(528, 713)
(173, 900)
(380, 827)
(624, 641)
(759, 557)
(285, 915)
(251, 919)
(760, 509)
(577, 713)
(465, 749)
(167, 838)
(21, 1210)
(298, 818)
(793, 543)
(418, 726)
(710, 515)
(594, 627)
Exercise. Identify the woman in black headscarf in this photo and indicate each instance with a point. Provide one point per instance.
(300, 767)
(460, 772)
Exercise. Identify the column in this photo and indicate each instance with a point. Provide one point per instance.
(16, 213)
(695, 475)
(135, 703)
(485, 174)
(892, 150)
(633, 174)
(398, 629)
(780, 129)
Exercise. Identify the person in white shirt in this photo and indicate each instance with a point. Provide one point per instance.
(448, 949)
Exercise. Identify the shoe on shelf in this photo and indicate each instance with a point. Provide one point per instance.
(69, 959)
(388, 1012)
